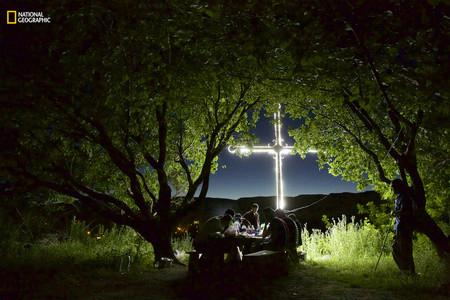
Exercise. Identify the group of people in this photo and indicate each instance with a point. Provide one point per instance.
(281, 232)
(227, 225)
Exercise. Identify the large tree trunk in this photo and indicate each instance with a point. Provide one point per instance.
(162, 244)
(419, 190)
(423, 222)
(159, 234)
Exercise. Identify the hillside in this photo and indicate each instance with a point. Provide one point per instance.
(333, 205)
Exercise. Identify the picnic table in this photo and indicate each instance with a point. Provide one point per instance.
(245, 241)
(219, 255)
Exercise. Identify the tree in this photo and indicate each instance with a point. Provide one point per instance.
(371, 89)
(122, 106)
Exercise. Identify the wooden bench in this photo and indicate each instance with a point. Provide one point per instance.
(266, 262)
(200, 263)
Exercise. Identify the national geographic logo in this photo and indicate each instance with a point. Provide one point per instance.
(24, 17)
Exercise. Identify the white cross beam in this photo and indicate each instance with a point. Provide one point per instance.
(279, 149)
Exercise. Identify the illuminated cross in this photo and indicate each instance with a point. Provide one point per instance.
(278, 150)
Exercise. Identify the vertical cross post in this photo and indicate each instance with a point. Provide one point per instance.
(278, 150)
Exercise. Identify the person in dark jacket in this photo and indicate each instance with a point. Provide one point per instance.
(212, 229)
(292, 235)
(276, 232)
(299, 228)
(402, 250)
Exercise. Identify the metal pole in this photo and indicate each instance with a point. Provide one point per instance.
(382, 247)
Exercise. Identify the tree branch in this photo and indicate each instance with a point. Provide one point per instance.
(371, 125)
(71, 192)
(162, 136)
(373, 155)
(149, 192)
(182, 161)
(124, 164)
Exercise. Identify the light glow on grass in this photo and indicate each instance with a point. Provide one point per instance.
(348, 251)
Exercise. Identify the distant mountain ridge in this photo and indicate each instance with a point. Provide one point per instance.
(333, 205)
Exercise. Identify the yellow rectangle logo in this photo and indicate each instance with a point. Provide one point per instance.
(11, 17)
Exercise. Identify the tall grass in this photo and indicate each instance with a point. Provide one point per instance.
(343, 240)
(349, 251)
(181, 246)
(81, 246)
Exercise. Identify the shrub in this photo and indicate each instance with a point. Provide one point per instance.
(181, 246)
(342, 239)
(81, 246)
(349, 251)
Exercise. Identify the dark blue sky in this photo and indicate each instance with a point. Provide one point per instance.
(254, 175)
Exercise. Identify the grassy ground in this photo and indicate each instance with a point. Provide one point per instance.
(349, 252)
(306, 281)
(340, 265)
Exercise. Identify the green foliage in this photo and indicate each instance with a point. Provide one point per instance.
(25, 218)
(361, 59)
(181, 246)
(102, 248)
(343, 240)
(125, 104)
(84, 246)
(326, 221)
(349, 251)
(140, 100)
(379, 215)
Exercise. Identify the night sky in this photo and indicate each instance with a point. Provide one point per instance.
(255, 176)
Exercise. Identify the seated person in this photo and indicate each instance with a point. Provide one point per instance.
(234, 228)
(210, 238)
(252, 216)
(293, 225)
(276, 233)
(230, 212)
(241, 225)
(299, 228)
(246, 226)
(293, 238)
(213, 227)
